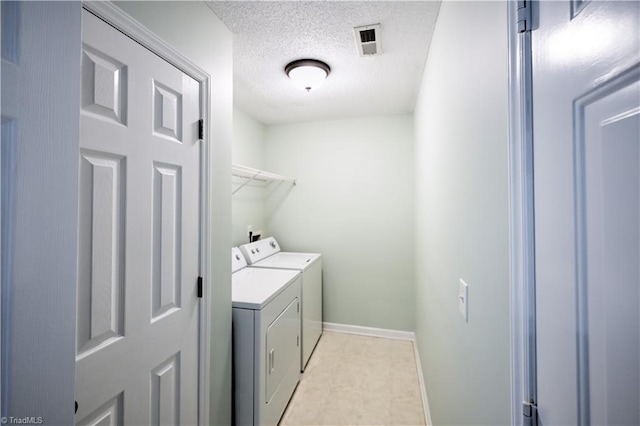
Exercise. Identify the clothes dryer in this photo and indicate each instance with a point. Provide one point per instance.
(266, 341)
(266, 253)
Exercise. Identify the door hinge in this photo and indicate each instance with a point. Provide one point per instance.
(298, 307)
(524, 21)
(200, 287)
(297, 340)
(201, 129)
(530, 413)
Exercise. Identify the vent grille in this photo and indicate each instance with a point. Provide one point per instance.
(368, 39)
(367, 36)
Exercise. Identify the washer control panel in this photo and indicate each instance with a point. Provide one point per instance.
(237, 260)
(259, 250)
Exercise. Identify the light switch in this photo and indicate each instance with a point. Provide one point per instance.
(463, 300)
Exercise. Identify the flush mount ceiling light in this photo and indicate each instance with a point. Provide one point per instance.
(307, 73)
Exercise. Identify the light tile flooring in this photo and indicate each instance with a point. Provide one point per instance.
(357, 380)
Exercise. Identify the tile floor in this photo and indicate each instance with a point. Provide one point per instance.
(357, 380)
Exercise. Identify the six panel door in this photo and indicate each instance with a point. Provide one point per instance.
(139, 223)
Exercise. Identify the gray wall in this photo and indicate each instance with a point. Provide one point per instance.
(461, 227)
(353, 202)
(197, 33)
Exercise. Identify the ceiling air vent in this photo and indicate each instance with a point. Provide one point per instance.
(368, 39)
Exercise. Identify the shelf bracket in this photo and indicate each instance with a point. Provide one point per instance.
(245, 183)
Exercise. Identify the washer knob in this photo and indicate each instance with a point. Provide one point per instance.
(258, 250)
(237, 257)
(253, 251)
(272, 244)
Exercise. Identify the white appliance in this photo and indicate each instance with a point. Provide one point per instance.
(266, 254)
(266, 341)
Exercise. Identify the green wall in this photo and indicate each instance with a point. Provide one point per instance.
(354, 203)
(461, 128)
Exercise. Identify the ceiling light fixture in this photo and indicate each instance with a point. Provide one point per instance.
(307, 73)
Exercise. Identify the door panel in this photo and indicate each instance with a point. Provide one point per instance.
(166, 239)
(104, 86)
(101, 251)
(137, 309)
(608, 285)
(282, 341)
(109, 414)
(586, 104)
(165, 392)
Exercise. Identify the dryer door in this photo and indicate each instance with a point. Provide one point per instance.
(282, 347)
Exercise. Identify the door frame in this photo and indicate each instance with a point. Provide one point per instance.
(124, 23)
(521, 223)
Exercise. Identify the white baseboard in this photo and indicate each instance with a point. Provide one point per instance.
(369, 331)
(389, 334)
(423, 387)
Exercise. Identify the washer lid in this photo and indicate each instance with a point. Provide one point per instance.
(254, 288)
(289, 260)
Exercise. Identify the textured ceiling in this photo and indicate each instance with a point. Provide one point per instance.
(267, 35)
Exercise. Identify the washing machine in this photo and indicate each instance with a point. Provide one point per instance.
(266, 341)
(266, 253)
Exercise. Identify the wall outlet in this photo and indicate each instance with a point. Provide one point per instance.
(463, 299)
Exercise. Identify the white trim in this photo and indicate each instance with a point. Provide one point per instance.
(1, 262)
(1, 258)
(1, 205)
(515, 207)
(205, 260)
(369, 331)
(123, 22)
(423, 387)
(521, 226)
(389, 334)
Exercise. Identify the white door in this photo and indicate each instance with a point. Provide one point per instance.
(586, 97)
(138, 262)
